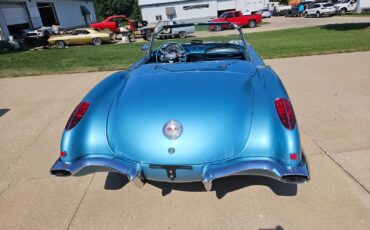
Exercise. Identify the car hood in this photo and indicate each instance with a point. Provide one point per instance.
(212, 100)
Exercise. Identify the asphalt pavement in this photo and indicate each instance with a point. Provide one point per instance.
(331, 97)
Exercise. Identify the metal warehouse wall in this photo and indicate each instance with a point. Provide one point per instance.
(69, 12)
(150, 12)
(152, 8)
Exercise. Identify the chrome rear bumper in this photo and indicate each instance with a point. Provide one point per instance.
(269, 168)
(133, 171)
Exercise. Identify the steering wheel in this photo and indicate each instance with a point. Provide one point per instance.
(171, 52)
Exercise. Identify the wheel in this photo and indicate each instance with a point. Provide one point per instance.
(218, 28)
(317, 14)
(60, 44)
(97, 41)
(182, 34)
(305, 14)
(252, 24)
(343, 11)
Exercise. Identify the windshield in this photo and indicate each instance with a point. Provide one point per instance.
(223, 15)
(198, 42)
(198, 36)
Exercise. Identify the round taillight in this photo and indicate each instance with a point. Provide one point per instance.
(77, 115)
(285, 111)
(63, 153)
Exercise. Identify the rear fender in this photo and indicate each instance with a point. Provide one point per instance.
(89, 137)
(268, 136)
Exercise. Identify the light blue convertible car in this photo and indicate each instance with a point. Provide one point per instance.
(190, 110)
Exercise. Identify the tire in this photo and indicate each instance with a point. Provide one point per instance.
(97, 41)
(317, 15)
(218, 28)
(182, 34)
(252, 24)
(60, 44)
(305, 15)
(343, 11)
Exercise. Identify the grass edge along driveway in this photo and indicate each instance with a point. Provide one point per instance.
(335, 38)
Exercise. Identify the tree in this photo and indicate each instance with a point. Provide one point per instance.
(283, 2)
(105, 8)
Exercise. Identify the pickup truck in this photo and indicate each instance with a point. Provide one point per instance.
(344, 6)
(238, 18)
(181, 32)
(113, 23)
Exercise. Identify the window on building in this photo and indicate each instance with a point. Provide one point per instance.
(158, 17)
(199, 6)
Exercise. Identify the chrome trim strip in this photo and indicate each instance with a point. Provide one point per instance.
(130, 169)
(268, 167)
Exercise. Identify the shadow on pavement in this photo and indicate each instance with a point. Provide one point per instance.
(347, 26)
(3, 111)
(115, 181)
(226, 185)
(221, 187)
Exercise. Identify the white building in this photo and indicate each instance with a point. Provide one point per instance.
(194, 10)
(16, 15)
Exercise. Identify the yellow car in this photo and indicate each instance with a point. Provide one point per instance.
(81, 36)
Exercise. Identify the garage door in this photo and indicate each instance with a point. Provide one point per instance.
(14, 13)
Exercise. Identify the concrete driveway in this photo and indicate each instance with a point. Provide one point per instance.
(332, 103)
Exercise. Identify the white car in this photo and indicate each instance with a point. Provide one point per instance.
(266, 13)
(43, 32)
(319, 9)
(344, 6)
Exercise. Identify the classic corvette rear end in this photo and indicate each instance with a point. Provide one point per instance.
(187, 112)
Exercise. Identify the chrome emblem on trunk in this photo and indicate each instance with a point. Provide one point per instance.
(172, 129)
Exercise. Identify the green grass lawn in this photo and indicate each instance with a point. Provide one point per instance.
(273, 44)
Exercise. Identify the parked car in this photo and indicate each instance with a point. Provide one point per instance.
(113, 23)
(265, 13)
(180, 32)
(294, 12)
(319, 9)
(238, 18)
(81, 36)
(344, 6)
(190, 110)
(42, 32)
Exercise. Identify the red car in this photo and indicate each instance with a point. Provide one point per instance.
(114, 22)
(238, 18)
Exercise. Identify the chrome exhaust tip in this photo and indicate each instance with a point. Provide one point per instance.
(295, 179)
(60, 172)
